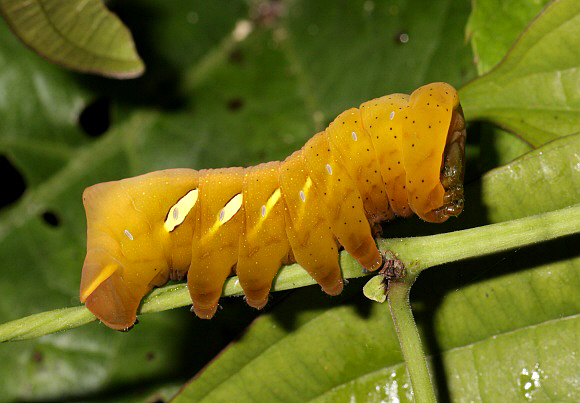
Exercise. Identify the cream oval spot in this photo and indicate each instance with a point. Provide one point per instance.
(179, 211)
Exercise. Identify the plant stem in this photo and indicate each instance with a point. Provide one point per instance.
(420, 253)
(416, 254)
(410, 342)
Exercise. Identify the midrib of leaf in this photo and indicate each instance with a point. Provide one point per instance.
(97, 40)
(524, 71)
(36, 200)
(79, 45)
(48, 148)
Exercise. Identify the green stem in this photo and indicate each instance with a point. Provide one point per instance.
(416, 253)
(420, 253)
(410, 342)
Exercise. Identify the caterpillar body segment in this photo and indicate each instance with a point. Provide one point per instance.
(359, 158)
(264, 246)
(215, 250)
(344, 203)
(429, 111)
(307, 225)
(384, 118)
(128, 249)
(396, 155)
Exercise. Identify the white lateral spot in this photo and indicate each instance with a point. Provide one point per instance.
(329, 169)
(128, 234)
(302, 196)
(392, 115)
(264, 211)
(179, 211)
(226, 214)
(354, 136)
(231, 208)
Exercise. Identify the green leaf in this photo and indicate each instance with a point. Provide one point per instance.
(493, 28)
(81, 35)
(375, 289)
(531, 92)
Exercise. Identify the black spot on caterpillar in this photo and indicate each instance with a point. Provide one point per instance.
(394, 156)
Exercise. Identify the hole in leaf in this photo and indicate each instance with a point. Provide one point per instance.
(51, 218)
(235, 104)
(236, 56)
(14, 184)
(95, 119)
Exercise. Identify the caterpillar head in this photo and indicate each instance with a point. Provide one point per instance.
(434, 152)
(129, 245)
(453, 168)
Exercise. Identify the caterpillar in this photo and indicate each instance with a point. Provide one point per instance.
(393, 156)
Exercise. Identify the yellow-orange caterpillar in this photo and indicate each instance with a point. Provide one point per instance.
(394, 156)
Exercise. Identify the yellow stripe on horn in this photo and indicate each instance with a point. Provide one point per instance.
(107, 272)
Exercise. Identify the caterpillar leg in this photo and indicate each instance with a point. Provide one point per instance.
(263, 242)
(215, 241)
(343, 204)
(307, 227)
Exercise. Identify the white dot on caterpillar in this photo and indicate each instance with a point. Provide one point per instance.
(392, 115)
(271, 202)
(305, 189)
(329, 169)
(354, 136)
(128, 234)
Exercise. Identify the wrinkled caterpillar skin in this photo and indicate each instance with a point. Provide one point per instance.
(394, 156)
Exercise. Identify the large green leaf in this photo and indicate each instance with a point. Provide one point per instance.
(82, 35)
(493, 28)
(532, 92)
